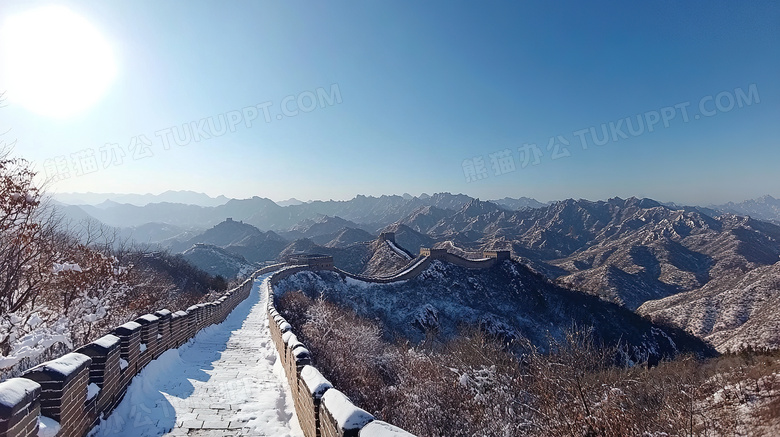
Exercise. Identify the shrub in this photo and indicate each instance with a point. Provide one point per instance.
(478, 385)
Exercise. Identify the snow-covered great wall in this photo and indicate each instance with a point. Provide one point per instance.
(322, 410)
(417, 265)
(68, 396)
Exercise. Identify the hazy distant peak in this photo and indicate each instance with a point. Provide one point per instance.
(289, 202)
(765, 207)
(519, 203)
(170, 196)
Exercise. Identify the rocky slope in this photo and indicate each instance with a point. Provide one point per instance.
(508, 300)
(626, 251)
(216, 261)
(731, 311)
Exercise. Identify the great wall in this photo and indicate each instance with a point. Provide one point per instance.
(79, 388)
(418, 264)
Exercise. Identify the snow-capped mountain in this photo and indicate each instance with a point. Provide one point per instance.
(731, 311)
(763, 208)
(508, 300)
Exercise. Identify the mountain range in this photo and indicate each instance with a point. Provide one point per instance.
(109, 199)
(683, 265)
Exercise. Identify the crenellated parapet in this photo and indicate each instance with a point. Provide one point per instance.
(497, 254)
(75, 390)
(440, 254)
(322, 410)
(312, 261)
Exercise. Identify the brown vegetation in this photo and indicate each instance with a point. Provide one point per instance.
(474, 385)
(61, 288)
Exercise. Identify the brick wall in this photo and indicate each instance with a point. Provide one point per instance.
(58, 388)
(322, 410)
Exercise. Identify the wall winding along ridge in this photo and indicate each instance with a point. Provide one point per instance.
(76, 389)
(422, 261)
(322, 410)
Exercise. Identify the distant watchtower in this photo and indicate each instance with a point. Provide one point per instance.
(387, 236)
(314, 261)
(434, 253)
(497, 254)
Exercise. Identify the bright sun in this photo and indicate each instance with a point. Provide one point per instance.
(54, 62)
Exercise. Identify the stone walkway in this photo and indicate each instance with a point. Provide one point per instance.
(245, 393)
(227, 382)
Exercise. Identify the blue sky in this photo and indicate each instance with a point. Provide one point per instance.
(414, 94)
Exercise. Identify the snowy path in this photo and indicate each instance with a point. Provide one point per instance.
(227, 381)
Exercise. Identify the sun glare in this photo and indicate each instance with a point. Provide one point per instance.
(54, 62)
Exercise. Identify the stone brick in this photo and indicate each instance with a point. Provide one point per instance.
(64, 391)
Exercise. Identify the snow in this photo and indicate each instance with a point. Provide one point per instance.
(123, 364)
(34, 343)
(34, 320)
(397, 250)
(47, 427)
(377, 428)
(64, 365)
(357, 283)
(344, 411)
(65, 267)
(233, 365)
(316, 383)
(132, 326)
(107, 341)
(293, 342)
(13, 391)
(149, 318)
(301, 351)
(142, 347)
(92, 390)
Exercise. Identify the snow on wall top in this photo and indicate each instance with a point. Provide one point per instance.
(289, 337)
(129, 326)
(346, 414)
(314, 380)
(378, 428)
(61, 369)
(147, 318)
(107, 341)
(398, 250)
(301, 352)
(163, 313)
(15, 394)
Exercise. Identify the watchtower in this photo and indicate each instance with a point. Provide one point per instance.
(387, 236)
(497, 254)
(314, 261)
(433, 253)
